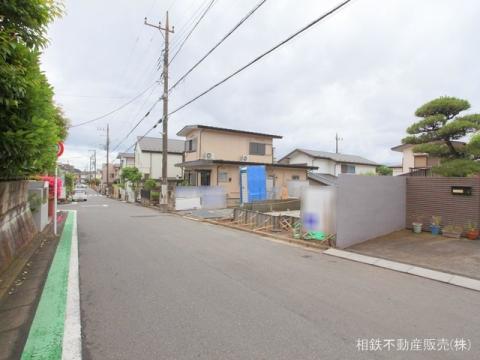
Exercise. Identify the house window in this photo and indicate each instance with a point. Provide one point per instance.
(348, 169)
(191, 145)
(223, 176)
(257, 148)
(295, 177)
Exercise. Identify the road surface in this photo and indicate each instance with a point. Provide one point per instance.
(157, 286)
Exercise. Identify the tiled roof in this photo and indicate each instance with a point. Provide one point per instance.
(344, 158)
(326, 179)
(152, 144)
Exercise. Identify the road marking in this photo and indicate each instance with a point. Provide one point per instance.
(72, 341)
(58, 311)
(95, 205)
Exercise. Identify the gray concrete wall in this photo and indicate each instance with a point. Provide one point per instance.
(16, 223)
(369, 206)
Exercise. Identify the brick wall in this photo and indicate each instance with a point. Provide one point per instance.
(427, 196)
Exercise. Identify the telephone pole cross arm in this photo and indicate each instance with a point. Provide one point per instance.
(167, 30)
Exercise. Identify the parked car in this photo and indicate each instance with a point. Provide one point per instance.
(79, 195)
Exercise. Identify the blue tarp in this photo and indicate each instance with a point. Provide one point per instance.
(257, 183)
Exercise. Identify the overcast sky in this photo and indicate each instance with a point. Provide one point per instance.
(362, 73)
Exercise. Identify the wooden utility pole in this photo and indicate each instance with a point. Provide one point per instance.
(167, 30)
(108, 151)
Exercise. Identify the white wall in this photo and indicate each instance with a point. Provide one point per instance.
(369, 206)
(151, 164)
(359, 169)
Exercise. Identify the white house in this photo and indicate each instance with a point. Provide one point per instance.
(148, 157)
(126, 159)
(332, 164)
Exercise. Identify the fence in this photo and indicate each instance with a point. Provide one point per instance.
(369, 206)
(456, 200)
(200, 197)
(259, 221)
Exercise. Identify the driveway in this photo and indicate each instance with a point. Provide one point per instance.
(456, 256)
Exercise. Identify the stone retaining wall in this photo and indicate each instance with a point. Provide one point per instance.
(17, 228)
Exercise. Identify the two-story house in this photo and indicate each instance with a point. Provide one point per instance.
(148, 157)
(330, 164)
(417, 163)
(126, 160)
(214, 156)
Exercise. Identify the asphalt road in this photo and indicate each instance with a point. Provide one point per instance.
(157, 286)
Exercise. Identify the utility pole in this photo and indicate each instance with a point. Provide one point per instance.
(108, 151)
(337, 139)
(167, 30)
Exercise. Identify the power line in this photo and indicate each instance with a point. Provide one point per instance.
(138, 123)
(114, 110)
(181, 30)
(250, 13)
(308, 26)
(193, 29)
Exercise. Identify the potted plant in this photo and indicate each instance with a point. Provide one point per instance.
(417, 224)
(452, 231)
(435, 225)
(472, 231)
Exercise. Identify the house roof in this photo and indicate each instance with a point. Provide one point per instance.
(125, 155)
(189, 128)
(402, 147)
(202, 162)
(342, 158)
(153, 144)
(325, 179)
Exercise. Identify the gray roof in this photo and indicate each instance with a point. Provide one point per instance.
(188, 128)
(325, 179)
(152, 144)
(125, 155)
(343, 158)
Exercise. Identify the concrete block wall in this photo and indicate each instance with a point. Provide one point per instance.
(368, 207)
(427, 196)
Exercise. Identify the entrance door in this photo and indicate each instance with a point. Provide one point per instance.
(244, 186)
(205, 177)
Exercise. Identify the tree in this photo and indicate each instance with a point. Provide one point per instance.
(384, 170)
(439, 129)
(149, 184)
(70, 179)
(30, 123)
(132, 175)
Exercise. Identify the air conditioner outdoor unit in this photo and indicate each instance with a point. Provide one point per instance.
(209, 156)
(244, 158)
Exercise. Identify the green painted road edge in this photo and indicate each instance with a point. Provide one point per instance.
(45, 338)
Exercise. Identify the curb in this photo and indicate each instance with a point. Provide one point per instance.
(457, 280)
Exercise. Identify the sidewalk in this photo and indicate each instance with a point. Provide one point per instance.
(35, 314)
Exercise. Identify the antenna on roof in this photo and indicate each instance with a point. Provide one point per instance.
(337, 139)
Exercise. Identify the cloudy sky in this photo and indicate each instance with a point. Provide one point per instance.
(361, 73)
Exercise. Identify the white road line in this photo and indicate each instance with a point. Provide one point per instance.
(72, 340)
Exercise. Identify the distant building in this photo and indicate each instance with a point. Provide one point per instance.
(413, 162)
(126, 159)
(148, 157)
(329, 165)
(113, 173)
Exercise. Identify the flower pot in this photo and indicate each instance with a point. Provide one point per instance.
(472, 234)
(435, 229)
(417, 227)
